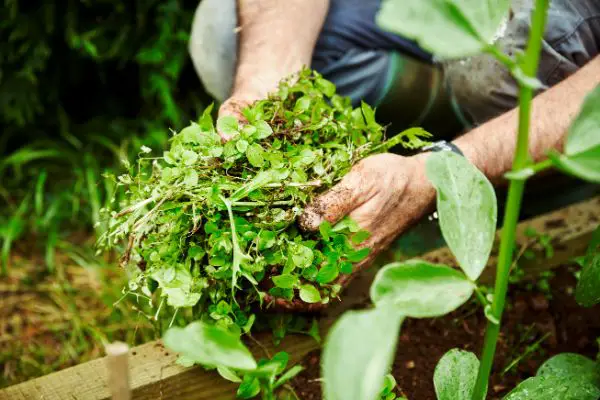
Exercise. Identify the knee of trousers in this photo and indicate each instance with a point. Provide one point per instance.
(213, 45)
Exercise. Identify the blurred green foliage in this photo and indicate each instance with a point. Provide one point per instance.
(83, 84)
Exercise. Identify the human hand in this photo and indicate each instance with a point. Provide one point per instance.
(385, 194)
(233, 106)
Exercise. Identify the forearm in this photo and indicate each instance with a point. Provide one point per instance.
(277, 38)
(491, 146)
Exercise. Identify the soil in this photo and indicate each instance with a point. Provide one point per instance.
(542, 319)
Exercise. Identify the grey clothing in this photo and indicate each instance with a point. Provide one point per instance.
(485, 89)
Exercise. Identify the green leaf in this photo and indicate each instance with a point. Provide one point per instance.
(228, 374)
(189, 157)
(421, 290)
(326, 230)
(285, 281)
(582, 148)
(180, 297)
(346, 267)
(281, 359)
(368, 113)
(314, 331)
(466, 205)
(241, 145)
(304, 159)
(255, 155)
(455, 375)
(206, 122)
(327, 273)
(448, 29)
(554, 387)
(358, 255)
(309, 294)
(325, 86)
(360, 237)
(263, 130)
(302, 256)
(347, 223)
(358, 353)
(587, 292)
(584, 165)
(191, 134)
(289, 375)
(190, 178)
(389, 383)
(228, 125)
(571, 365)
(249, 388)
(584, 133)
(209, 345)
(302, 104)
(266, 240)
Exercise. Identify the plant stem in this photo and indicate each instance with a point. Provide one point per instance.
(261, 203)
(542, 165)
(513, 202)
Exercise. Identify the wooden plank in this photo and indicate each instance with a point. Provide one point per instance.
(154, 374)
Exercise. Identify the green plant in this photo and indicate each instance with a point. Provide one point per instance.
(82, 86)
(467, 212)
(587, 292)
(217, 348)
(212, 225)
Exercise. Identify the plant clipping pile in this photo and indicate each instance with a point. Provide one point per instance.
(212, 225)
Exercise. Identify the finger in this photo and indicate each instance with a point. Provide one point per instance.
(296, 305)
(232, 107)
(352, 191)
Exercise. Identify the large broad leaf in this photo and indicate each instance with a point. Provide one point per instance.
(554, 387)
(584, 165)
(466, 205)
(582, 149)
(209, 345)
(455, 375)
(421, 290)
(587, 292)
(571, 365)
(584, 133)
(446, 28)
(358, 353)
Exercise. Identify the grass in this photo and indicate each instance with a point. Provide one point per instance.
(49, 321)
(59, 301)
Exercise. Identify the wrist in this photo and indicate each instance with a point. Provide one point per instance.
(422, 189)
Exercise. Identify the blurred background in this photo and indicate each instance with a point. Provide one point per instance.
(83, 84)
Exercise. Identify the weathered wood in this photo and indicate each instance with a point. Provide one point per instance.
(117, 364)
(154, 374)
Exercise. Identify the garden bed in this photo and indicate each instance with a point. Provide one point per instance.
(542, 320)
(549, 240)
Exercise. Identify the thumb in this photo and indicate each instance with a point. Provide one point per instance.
(352, 191)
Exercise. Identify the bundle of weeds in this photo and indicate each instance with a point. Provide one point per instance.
(211, 225)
